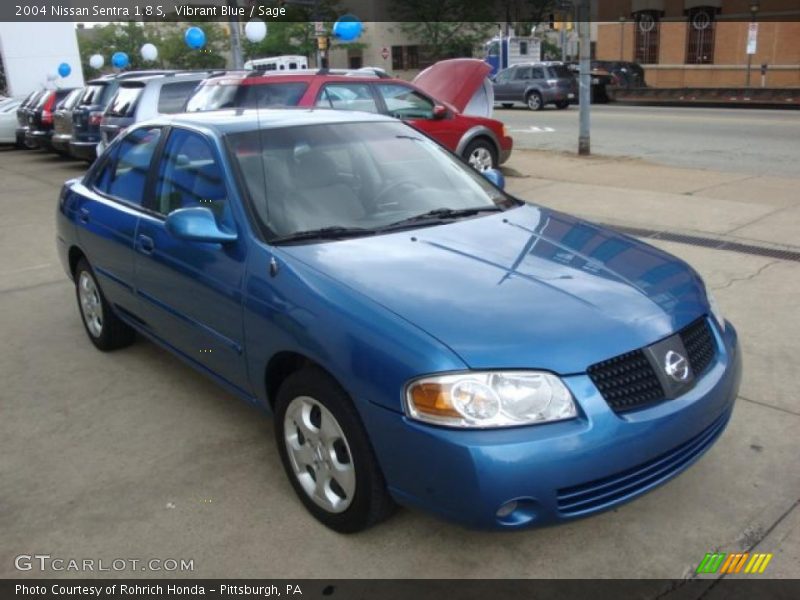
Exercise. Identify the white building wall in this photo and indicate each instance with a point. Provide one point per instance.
(32, 50)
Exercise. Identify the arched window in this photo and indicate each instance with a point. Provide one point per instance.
(700, 38)
(645, 40)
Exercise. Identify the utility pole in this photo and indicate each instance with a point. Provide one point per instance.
(236, 42)
(585, 84)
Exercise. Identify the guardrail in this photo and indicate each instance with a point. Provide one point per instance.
(733, 96)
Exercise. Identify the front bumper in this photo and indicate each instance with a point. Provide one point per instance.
(560, 471)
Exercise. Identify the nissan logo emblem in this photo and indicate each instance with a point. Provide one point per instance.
(676, 366)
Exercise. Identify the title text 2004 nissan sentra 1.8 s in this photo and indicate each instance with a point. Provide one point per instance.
(421, 337)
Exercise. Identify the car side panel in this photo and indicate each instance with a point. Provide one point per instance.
(106, 230)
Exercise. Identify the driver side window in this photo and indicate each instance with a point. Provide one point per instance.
(403, 102)
(504, 76)
(190, 176)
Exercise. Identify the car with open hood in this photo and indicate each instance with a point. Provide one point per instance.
(451, 101)
(420, 336)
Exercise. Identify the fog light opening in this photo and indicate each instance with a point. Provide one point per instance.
(517, 512)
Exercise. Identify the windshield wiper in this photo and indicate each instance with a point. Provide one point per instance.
(439, 215)
(324, 233)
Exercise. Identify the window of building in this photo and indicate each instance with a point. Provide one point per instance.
(523, 48)
(646, 36)
(700, 38)
(410, 57)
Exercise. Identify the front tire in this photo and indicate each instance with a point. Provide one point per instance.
(327, 455)
(105, 330)
(481, 155)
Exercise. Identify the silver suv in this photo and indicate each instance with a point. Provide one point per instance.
(141, 98)
(536, 85)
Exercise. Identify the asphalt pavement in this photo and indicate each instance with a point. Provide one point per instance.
(132, 454)
(755, 141)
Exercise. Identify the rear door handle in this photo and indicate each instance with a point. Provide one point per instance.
(83, 215)
(146, 244)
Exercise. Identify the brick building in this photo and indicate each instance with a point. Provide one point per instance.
(703, 43)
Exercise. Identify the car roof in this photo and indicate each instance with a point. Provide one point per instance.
(167, 77)
(241, 120)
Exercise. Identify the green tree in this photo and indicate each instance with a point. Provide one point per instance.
(115, 37)
(446, 28)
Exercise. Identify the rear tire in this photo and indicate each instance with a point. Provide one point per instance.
(327, 455)
(534, 101)
(105, 330)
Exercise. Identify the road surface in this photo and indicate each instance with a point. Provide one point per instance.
(759, 142)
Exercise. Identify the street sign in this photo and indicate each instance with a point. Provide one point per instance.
(319, 28)
(384, 53)
(752, 38)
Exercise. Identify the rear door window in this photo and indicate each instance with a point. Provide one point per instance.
(537, 73)
(523, 73)
(125, 176)
(173, 96)
(347, 96)
(123, 104)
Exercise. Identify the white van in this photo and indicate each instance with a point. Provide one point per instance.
(277, 63)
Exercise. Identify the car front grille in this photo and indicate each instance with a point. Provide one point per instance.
(601, 493)
(628, 381)
(699, 343)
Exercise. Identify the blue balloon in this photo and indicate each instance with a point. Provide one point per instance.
(64, 70)
(119, 60)
(347, 28)
(195, 38)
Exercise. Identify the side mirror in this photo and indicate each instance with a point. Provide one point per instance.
(439, 112)
(197, 225)
(496, 177)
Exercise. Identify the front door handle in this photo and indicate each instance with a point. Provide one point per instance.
(146, 244)
(83, 215)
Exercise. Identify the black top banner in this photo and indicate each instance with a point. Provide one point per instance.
(499, 11)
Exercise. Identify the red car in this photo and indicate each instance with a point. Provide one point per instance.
(445, 101)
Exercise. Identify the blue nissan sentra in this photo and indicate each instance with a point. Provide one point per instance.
(420, 336)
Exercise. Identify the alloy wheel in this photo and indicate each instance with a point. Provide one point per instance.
(319, 454)
(481, 159)
(91, 305)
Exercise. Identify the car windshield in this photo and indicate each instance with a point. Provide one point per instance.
(356, 178)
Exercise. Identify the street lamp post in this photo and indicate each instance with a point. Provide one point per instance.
(754, 6)
(622, 37)
(585, 86)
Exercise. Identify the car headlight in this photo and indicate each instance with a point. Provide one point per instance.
(489, 399)
(715, 311)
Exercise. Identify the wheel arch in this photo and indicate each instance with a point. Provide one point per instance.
(472, 134)
(74, 256)
(284, 363)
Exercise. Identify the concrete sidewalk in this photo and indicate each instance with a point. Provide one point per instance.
(632, 192)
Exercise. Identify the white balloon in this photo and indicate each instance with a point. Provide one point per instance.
(96, 61)
(255, 30)
(149, 52)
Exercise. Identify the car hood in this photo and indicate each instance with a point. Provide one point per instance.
(527, 288)
(461, 82)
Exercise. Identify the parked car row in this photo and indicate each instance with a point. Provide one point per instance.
(444, 102)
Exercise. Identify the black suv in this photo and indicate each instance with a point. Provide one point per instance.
(87, 114)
